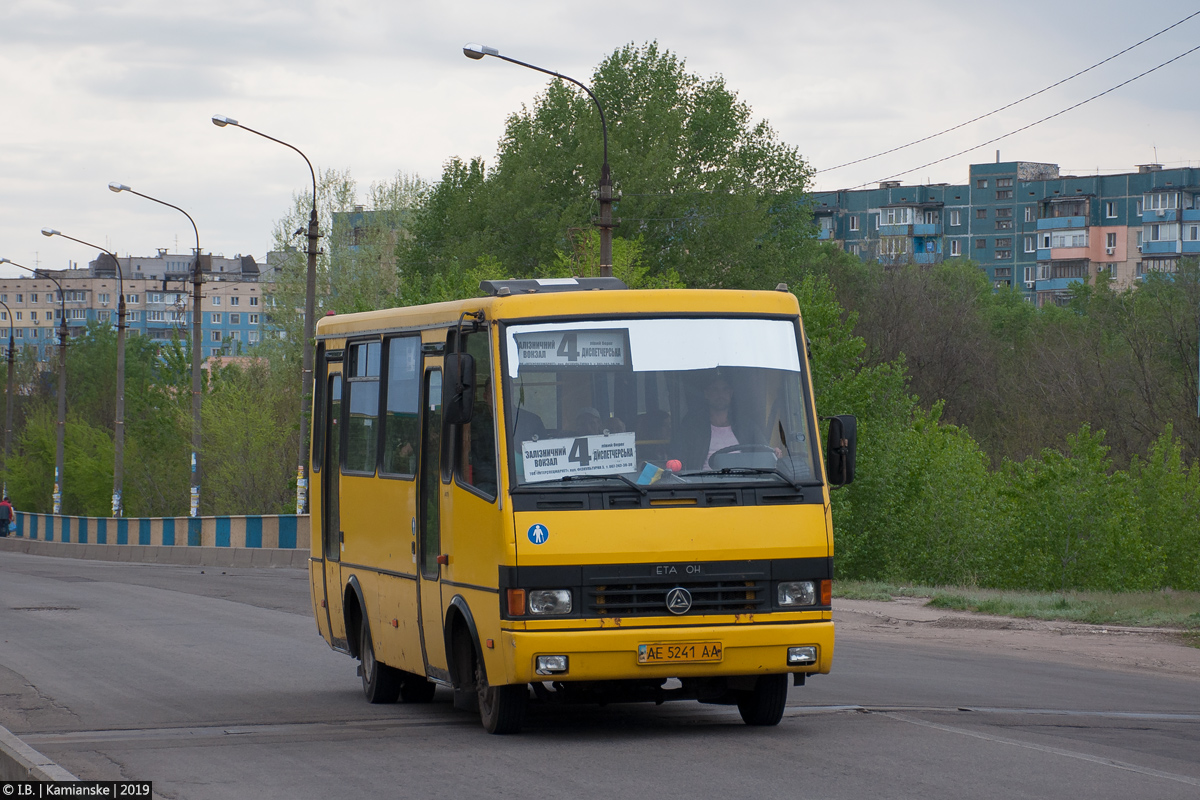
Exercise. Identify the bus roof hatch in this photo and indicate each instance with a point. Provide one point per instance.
(540, 285)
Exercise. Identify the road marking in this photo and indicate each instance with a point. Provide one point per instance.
(1108, 762)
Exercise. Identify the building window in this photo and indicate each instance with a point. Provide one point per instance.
(1110, 241)
(1162, 200)
(1003, 272)
(1069, 238)
(1002, 254)
(253, 336)
(1045, 241)
(20, 333)
(1004, 194)
(1164, 233)
(154, 316)
(1110, 209)
(254, 319)
(4, 316)
(131, 316)
(33, 314)
(981, 213)
(981, 183)
(980, 244)
(1194, 233)
(235, 319)
(20, 299)
(33, 332)
(131, 299)
(955, 247)
(1068, 269)
(233, 301)
(3, 298)
(1030, 244)
(955, 218)
(1029, 213)
(1004, 224)
(1139, 207)
(1004, 183)
(216, 301)
(33, 297)
(853, 227)
(77, 313)
(215, 319)
(897, 216)
(1139, 247)
(20, 314)
(1004, 212)
(1029, 275)
(1006, 242)
(216, 337)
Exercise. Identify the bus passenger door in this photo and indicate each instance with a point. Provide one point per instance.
(331, 521)
(428, 521)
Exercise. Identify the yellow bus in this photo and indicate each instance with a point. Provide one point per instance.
(575, 492)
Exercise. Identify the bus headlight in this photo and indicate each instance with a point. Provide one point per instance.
(549, 601)
(797, 593)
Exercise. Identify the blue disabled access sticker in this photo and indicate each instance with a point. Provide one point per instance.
(538, 534)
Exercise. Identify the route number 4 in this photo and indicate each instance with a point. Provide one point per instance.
(579, 451)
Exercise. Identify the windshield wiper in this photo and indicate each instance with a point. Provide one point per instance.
(534, 485)
(797, 485)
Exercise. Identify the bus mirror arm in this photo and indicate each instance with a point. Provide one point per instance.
(840, 449)
(458, 390)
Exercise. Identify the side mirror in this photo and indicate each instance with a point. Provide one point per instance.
(458, 389)
(840, 449)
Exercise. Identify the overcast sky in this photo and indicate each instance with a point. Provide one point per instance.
(93, 91)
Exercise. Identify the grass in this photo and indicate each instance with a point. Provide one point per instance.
(1165, 609)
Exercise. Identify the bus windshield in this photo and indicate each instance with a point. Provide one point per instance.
(658, 402)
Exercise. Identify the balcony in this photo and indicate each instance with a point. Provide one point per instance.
(824, 235)
(1191, 248)
(1150, 216)
(1191, 215)
(1164, 247)
(1057, 284)
(1057, 223)
(1043, 254)
(927, 258)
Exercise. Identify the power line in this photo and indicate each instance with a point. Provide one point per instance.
(1032, 124)
(1013, 103)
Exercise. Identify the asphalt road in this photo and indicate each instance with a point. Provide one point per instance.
(214, 683)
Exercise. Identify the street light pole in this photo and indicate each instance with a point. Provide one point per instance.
(605, 196)
(62, 377)
(9, 398)
(118, 508)
(197, 344)
(310, 291)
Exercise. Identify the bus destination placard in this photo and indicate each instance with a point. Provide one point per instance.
(557, 349)
(549, 459)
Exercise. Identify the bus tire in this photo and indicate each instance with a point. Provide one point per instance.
(381, 683)
(501, 708)
(415, 688)
(763, 705)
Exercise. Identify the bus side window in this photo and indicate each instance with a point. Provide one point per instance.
(401, 425)
(362, 433)
(475, 461)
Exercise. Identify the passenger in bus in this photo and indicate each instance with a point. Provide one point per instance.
(481, 452)
(589, 422)
(716, 426)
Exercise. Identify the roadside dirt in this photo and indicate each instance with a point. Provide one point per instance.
(1157, 650)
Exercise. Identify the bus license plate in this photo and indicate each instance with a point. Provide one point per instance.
(679, 652)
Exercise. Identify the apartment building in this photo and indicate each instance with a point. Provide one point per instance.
(158, 301)
(1025, 224)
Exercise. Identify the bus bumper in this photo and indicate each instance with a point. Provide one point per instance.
(613, 653)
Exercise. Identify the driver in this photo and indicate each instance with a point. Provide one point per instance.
(717, 428)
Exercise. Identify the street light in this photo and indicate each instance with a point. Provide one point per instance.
(197, 280)
(310, 291)
(62, 374)
(605, 223)
(8, 399)
(118, 509)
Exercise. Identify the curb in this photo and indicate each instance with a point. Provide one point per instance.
(278, 558)
(20, 762)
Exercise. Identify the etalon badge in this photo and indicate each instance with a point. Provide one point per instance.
(679, 600)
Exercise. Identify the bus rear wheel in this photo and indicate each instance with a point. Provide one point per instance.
(763, 705)
(381, 683)
(501, 708)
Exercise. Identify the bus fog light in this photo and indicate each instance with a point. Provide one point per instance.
(800, 656)
(797, 593)
(550, 601)
(551, 665)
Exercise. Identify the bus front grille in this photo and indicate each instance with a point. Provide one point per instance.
(650, 599)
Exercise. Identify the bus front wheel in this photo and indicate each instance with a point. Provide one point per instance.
(501, 708)
(381, 683)
(764, 704)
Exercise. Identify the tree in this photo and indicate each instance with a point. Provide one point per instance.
(711, 195)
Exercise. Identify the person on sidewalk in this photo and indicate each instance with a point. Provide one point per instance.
(6, 516)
